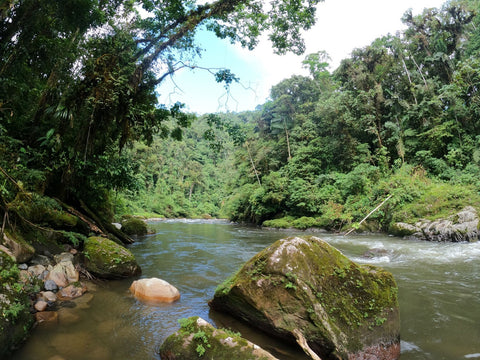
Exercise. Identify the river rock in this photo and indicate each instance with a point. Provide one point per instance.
(154, 290)
(63, 257)
(198, 339)
(50, 285)
(107, 259)
(40, 305)
(459, 227)
(63, 273)
(37, 270)
(71, 292)
(40, 260)
(304, 290)
(48, 296)
(134, 226)
(46, 317)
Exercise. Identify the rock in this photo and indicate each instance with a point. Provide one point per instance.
(71, 292)
(23, 266)
(63, 257)
(63, 273)
(15, 318)
(134, 226)
(154, 290)
(20, 248)
(48, 296)
(40, 305)
(107, 259)
(304, 290)
(376, 252)
(47, 317)
(50, 285)
(198, 339)
(40, 260)
(37, 270)
(462, 226)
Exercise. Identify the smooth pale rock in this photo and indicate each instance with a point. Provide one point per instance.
(40, 305)
(154, 290)
(71, 292)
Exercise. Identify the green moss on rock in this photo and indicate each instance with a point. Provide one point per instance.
(107, 259)
(341, 308)
(15, 318)
(134, 226)
(197, 339)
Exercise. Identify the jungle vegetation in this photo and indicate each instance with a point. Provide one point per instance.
(78, 84)
(399, 117)
(80, 121)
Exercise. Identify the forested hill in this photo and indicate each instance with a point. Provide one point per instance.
(399, 117)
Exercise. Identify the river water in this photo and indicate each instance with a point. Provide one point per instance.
(439, 294)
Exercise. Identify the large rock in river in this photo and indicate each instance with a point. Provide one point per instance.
(462, 226)
(154, 290)
(198, 339)
(107, 259)
(304, 289)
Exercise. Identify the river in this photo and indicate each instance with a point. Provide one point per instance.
(439, 294)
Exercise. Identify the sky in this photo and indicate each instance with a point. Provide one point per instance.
(342, 25)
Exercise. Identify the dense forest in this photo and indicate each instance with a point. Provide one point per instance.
(399, 117)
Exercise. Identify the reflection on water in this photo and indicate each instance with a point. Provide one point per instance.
(439, 294)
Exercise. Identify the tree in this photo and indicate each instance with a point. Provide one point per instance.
(78, 80)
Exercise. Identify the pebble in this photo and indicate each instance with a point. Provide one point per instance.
(41, 305)
(50, 285)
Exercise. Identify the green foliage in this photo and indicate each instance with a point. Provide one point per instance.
(399, 117)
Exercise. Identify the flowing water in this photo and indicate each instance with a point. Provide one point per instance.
(439, 294)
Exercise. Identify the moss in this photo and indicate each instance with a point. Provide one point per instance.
(15, 318)
(134, 226)
(107, 259)
(42, 210)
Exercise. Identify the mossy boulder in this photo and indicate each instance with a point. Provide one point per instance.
(19, 247)
(198, 339)
(107, 259)
(15, 318)
(134, 226)
(305, 289)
